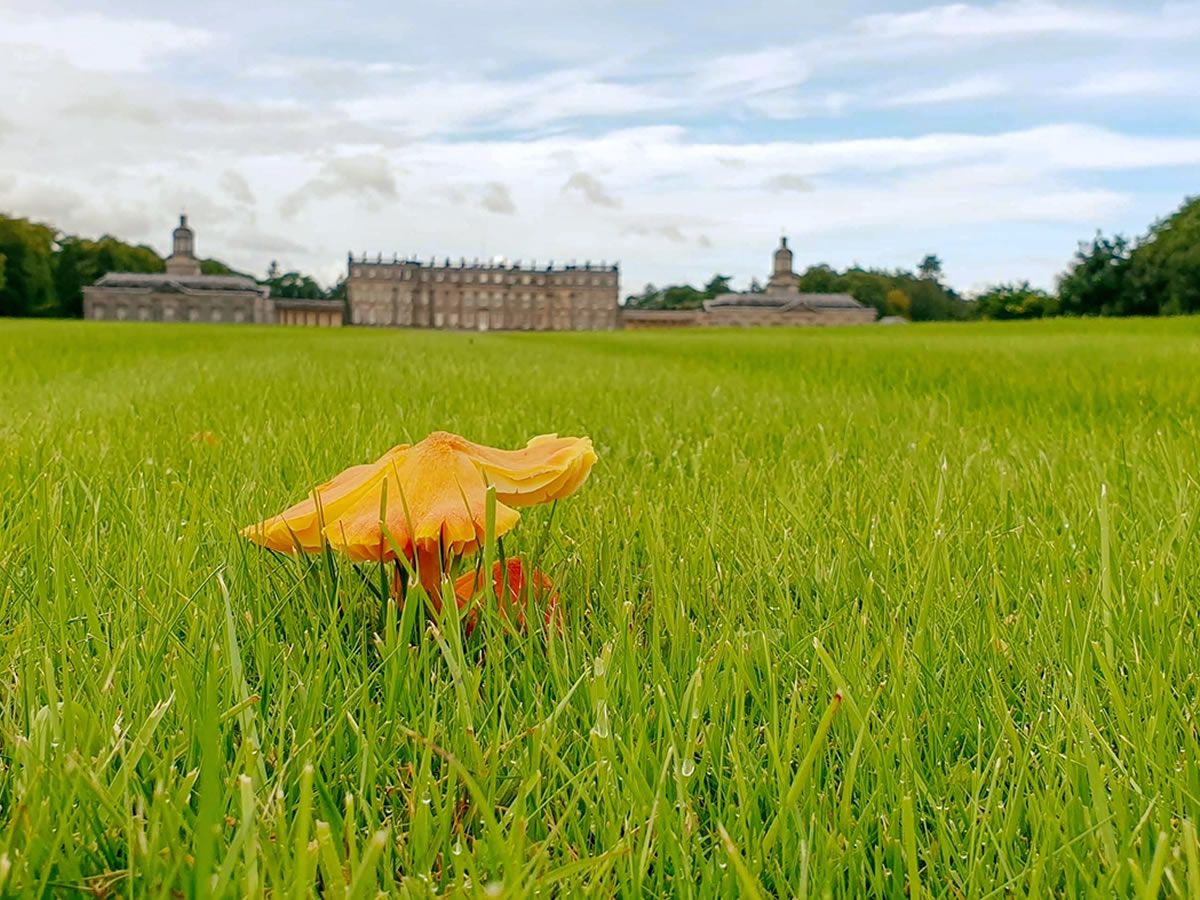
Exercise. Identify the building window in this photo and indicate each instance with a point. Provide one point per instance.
(216, 314)
(143, 314)
(193, 315)
(370, 273)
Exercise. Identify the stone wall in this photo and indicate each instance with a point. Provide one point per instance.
(661, 318)
(482, 298)
(733, 317)
(133, 305)
(310, 318)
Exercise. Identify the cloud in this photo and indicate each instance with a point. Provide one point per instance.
(101, 43)
(47, 201)
(754, 72)
(1134, 83)
(974, 88)
(236, 188)
(498, 199)
(672, 233)
(1024, 18)
(591, 188)
(365, 176)
(115, 107)
(785, 182)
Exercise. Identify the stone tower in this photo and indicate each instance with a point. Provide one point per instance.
(182, 260)
(783, 278)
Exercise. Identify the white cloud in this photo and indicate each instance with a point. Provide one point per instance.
(365, 176)
(1024, 18)
(99, 42)
(1135, 83)
(975, 88)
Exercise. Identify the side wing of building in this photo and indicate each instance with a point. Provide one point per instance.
(482, 298)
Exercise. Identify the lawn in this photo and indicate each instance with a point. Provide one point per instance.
(855, 612)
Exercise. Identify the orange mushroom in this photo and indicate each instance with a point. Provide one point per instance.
(427, 501)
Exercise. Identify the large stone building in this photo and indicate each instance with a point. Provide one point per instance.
(181, 294)
(481, 296)
(781, 303)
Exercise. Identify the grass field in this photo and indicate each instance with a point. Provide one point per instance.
(984, 536)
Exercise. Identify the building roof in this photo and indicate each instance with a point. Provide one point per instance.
(181, 284)
(783, 301)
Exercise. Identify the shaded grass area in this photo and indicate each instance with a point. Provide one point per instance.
(860, 611)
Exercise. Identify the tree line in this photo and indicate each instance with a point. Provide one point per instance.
(43, 271)
(1156, 274)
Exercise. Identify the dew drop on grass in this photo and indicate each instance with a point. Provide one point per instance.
(426, 797)
(457, 848)
(687, 767)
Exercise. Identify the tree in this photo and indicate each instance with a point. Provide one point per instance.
(718, 284)
(1164, 269)
(820, 279)
(756, 286)
(28, 248)
(216, 267)
(295, 286)
(1097, 284)
(647, 299)
(930, 268)
(899, 303)
(682, 296)
(79, 262)
(1015, 301)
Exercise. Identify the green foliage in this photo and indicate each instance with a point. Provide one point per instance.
(930, 267)
(1015, 301)
(899, 303)
(1097, 282)
(79, 262)
(28, 248)
(717, 285)
(293, 285)
(679, 296)
(928, 298)
(1164, 269)
(981, 537)
(216, 267)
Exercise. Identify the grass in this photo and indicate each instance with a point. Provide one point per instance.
(851, 612)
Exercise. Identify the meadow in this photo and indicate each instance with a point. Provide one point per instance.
(854, 612)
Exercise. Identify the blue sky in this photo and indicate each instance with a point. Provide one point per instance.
(679, 138)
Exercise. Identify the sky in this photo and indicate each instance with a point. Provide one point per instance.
(678, 137)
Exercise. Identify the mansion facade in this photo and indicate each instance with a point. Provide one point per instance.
(482, 296)
(780, 303)
(183, 293)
